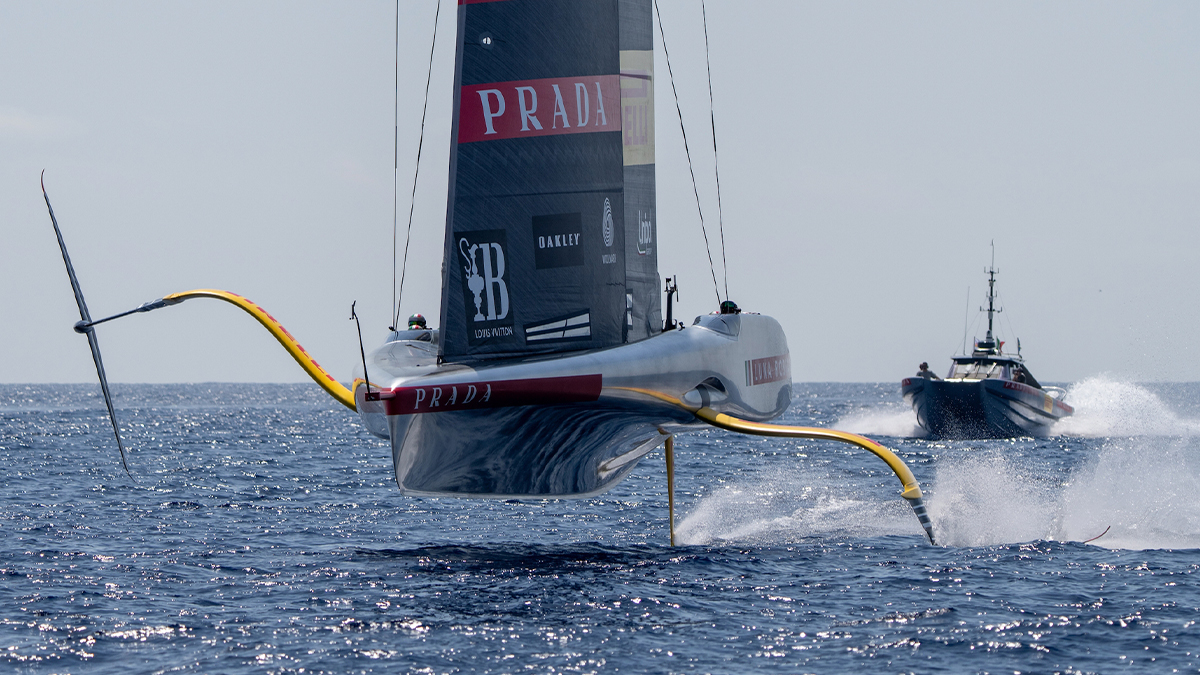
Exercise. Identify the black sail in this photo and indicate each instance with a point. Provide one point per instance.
(550, 228)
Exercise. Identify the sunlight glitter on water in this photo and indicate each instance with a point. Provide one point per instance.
(265, 534)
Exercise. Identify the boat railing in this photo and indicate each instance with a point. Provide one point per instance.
(1055, 392)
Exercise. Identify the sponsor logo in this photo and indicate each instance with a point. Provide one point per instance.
(551, 106)
(636, 123)
(645, 233)
(769, 369)
(493, 394)
(637, 107)
(556, 240)
(577, 326)
(606, 223)
(608, 230)
(485, 285)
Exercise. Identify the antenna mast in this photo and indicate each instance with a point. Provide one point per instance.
(991, 299)
(989, 343)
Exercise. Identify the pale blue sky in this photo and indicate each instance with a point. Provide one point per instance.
(870, 152)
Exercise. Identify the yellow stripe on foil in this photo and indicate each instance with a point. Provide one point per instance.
(912, 490)
(319, 375)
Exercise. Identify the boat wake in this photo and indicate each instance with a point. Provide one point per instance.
(1106, 408)
(786, 506)
(1142, 493)
(891, 421)
(1139, 484)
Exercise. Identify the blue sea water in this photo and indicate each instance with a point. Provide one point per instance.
(265, 534)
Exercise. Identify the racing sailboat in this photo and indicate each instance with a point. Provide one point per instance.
(553, 371)
(542, 378)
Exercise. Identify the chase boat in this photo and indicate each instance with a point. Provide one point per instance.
(987, 394)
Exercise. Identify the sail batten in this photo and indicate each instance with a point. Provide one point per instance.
(550, 224)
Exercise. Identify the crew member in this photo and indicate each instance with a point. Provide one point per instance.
(416, 322)
(926, 373)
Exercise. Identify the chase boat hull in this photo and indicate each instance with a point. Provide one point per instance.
(991, 408)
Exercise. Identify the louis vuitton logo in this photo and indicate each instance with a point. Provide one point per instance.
(487, 284)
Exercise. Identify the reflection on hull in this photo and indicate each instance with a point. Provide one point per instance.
(576, 450)
(966, 409)
(568, 426)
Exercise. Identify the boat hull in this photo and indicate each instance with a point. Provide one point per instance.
(991, 408)
(572, 425)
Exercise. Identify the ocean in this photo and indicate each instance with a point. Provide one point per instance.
(262, 532)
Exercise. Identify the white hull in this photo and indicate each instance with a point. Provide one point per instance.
(566, 426)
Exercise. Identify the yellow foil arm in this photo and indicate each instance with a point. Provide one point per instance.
(912, 490)
(315, 371)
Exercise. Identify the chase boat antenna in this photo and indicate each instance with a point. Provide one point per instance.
(989, 344)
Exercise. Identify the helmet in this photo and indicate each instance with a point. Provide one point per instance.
(416, 322)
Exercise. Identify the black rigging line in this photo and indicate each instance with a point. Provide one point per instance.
(398, 298)
(716, 163)
(696, 190)
(396, 162)
(362, 352)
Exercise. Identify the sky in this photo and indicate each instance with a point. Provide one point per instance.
(870, 155)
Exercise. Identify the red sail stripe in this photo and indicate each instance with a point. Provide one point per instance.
(528, 108)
